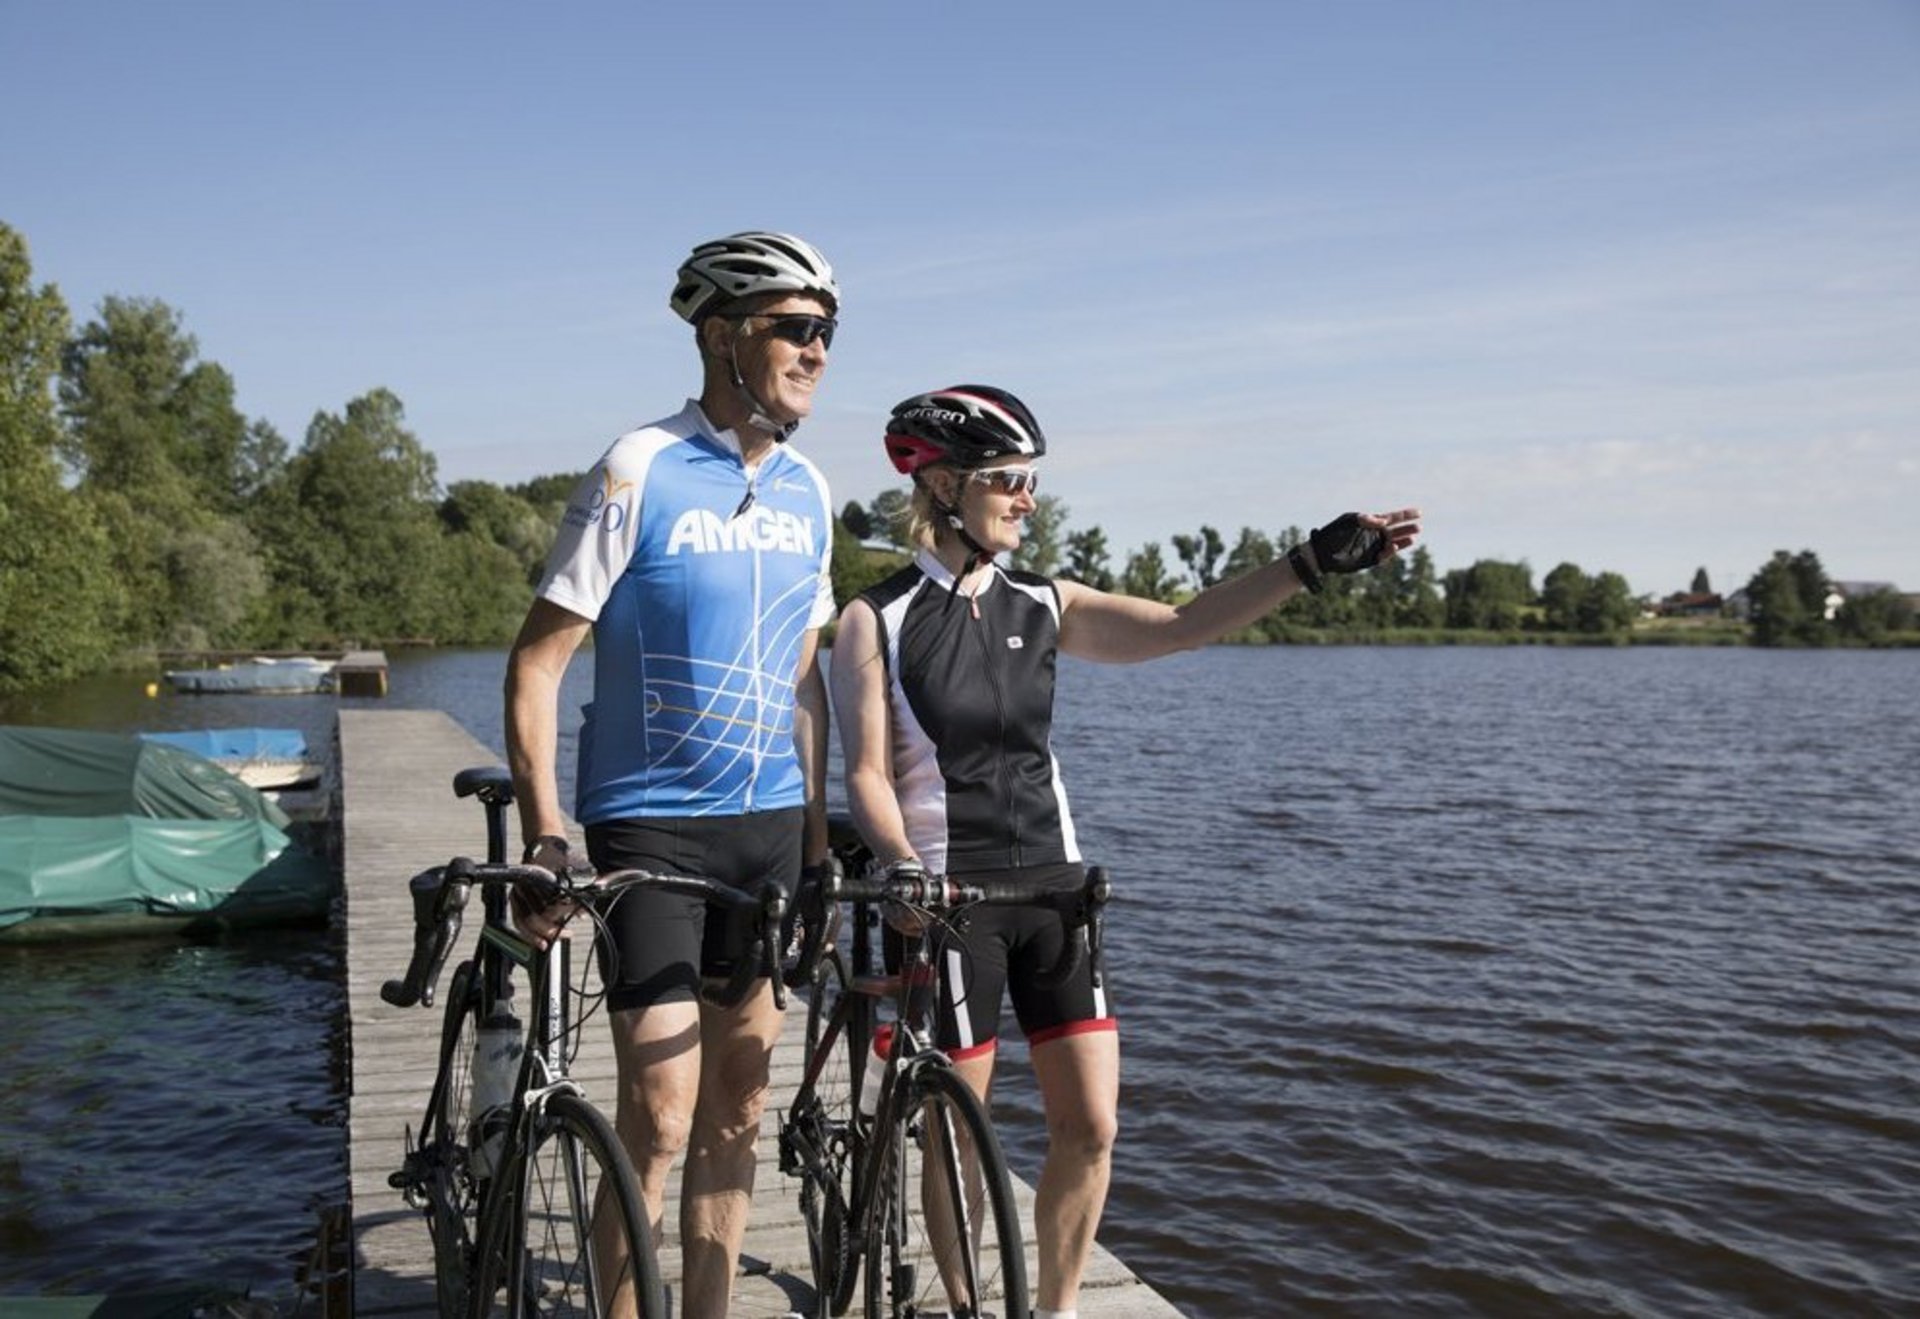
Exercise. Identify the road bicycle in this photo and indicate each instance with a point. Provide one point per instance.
(865, 1140)
(530, 1199)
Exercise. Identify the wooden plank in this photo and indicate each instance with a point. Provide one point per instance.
(399, 816)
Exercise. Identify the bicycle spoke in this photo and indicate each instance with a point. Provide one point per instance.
(963, 1251)
(568, 1237)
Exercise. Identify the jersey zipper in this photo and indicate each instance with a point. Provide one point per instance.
(1000, 708)
(759, 696)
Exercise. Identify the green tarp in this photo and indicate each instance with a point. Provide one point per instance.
(105, 835)
(62, 772)
(122, 873)
(180, 1303)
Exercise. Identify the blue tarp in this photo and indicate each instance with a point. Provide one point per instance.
(238, 743)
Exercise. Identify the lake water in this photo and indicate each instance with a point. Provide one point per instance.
(1517, 981)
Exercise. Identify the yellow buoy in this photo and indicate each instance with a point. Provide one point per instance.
(153, 690)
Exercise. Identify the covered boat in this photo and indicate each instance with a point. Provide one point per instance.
(281, 677)
(258, 757)
(108, 835)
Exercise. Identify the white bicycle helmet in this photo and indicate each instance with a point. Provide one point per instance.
(741, 265)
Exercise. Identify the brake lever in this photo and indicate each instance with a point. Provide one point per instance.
(773, 921)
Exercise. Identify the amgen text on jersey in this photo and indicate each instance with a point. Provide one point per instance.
(702, 531)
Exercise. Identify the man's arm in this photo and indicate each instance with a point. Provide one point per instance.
(535, 666)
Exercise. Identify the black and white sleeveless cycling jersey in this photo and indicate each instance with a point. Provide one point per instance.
(970, 684)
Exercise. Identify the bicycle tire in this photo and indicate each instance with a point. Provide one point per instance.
(537, 1252)
(985, 1263)
(886, 1228)
(821, 1138)
(453, 1199)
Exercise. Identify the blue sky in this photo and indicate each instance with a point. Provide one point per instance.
(1634, 285)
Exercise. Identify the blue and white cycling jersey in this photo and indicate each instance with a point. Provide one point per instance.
(701, 583)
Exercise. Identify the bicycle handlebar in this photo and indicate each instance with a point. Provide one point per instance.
(1082, 908)
(440, 898)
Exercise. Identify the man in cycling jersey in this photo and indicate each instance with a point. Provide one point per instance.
(943, 680)
(696, 552)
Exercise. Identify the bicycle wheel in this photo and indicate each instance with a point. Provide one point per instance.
(453, 1200)
(817, 1139)
(539, 1251)
(964, 1251)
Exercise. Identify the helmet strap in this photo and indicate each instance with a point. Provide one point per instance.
(756, 411)
(977, 553)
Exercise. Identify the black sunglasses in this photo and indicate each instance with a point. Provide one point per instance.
(797, 328)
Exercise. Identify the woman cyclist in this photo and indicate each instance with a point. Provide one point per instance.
(942, 679)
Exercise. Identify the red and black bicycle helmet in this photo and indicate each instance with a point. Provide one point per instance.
(966, 425)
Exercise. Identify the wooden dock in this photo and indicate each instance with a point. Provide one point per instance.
(361, 673)
(399, 816)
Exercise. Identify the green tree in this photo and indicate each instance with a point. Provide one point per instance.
(483, 593)
(1787, 601)
(1562, 596)
(1419, 603)
(1874, 616)
(1701, 586)
(59, 600)
(855, 567)
(1377, 594)
(1146, 574)
(855, 519)
(1201, 556)
(888, 514)
(1087, 559)
(1489, 595)
(358, 545)
(263, 455)
(549, 494)
(500, 517)
(168, 463)
(1039, 549)
(144, 415)
(1253, 550)
(1607, 607)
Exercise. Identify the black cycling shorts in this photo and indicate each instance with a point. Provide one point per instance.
(657, 946)
(1002, 952)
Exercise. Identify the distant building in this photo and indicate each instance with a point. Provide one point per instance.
(1838, 593)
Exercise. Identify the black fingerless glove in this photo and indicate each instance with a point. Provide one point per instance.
(1344, 545)
(548, 851)
(819, 870)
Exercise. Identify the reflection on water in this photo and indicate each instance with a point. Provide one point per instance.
(169, 1112)
(1452, 982)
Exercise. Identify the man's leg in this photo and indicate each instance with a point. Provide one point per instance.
(657, 1050)
(1079, 1079)
(717, 1187)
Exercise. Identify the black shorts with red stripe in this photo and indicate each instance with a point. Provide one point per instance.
(1004, 952)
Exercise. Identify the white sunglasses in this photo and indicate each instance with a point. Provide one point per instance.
(1008, 480)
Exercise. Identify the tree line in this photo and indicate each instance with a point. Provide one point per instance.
(1787, 599)
(141, 511)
